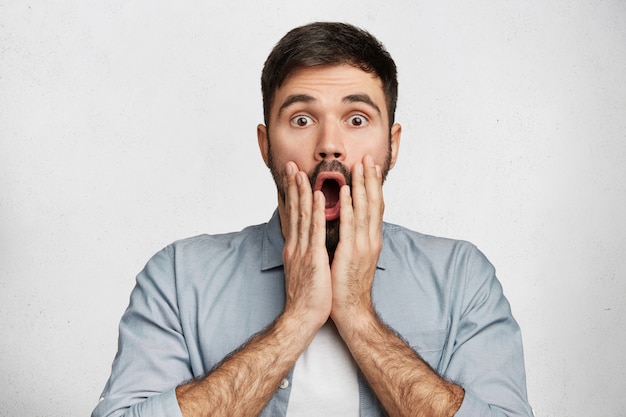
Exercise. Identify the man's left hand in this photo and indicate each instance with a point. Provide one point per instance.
(360, 242)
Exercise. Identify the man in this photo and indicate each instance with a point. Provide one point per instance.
(324, 310)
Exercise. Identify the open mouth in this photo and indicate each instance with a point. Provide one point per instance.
(329, 183)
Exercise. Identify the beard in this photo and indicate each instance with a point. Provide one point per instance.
(332, 226)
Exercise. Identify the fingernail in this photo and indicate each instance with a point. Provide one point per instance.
(289, 169)
(369, 161)
(359, 169)
(298, 179)
(378, 171)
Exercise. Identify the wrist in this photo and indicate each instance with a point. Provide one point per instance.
(297, 328)
(356, 320)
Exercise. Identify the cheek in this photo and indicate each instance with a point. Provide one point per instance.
(280, 155)
(283, 156)
(377, 151)
(286, 145)
(299, 152)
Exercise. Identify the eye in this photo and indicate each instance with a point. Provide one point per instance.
(301, 121)
(357, 120)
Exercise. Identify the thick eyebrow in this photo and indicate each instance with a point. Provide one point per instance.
(305, 98)
(361, 98)
(295, 98)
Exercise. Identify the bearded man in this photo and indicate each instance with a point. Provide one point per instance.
(326, 309)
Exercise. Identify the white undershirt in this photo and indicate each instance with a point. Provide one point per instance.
(325, 379)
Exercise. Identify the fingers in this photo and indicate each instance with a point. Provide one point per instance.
(367, 198)
(346, 215)
(318, 221)
(292, 203)
(375, 201)
(304, 206)
(304, 209)
(360, 240)
(305, 259)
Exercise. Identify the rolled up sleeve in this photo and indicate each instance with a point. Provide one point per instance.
(487, 358)
(152, 357)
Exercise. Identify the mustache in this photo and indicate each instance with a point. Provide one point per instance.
(332, 166)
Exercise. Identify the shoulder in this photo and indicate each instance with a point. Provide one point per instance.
(191, 257)
(439, 252)
(216, 242)
(396, 235)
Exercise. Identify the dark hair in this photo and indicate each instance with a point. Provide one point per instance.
(328, 43)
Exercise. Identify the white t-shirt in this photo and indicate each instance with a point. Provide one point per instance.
(325, 378)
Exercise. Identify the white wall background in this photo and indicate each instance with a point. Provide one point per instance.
(125, 125)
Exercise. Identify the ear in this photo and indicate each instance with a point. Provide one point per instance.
(396, 131)
(264, 144)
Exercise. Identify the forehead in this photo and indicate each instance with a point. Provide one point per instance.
(330, 83)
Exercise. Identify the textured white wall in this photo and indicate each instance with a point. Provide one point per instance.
(125, 125)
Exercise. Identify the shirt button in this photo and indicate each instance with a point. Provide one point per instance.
(284, 383)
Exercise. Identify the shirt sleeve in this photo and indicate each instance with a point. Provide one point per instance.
(487, 359)
(152, 357)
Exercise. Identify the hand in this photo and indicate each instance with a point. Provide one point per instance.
(360, 242)
(307, 271)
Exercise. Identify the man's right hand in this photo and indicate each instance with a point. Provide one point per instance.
(247, 379)
(307, 271)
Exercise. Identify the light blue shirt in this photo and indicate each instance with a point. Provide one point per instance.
(201, 298)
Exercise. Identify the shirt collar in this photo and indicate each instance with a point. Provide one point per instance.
(273, 244)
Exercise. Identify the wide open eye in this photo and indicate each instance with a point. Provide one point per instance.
(301, 121)
(357, 120)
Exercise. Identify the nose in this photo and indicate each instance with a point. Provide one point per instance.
(330, 143)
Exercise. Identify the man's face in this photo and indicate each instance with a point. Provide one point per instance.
(326, 119)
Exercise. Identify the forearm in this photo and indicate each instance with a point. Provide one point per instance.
(246, 380)
(403, 382)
